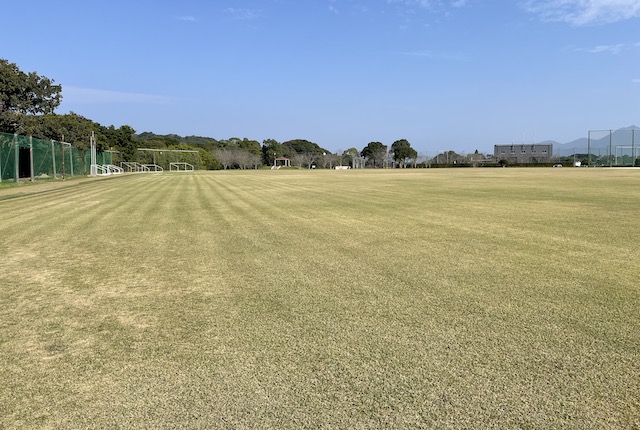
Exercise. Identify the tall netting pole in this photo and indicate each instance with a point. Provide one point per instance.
(610, 144)
(94, 166)
(33, 178)
(16, 159)
(71, 158)
(53, 158)
(589, 149)
(634, 155)
(62, 153)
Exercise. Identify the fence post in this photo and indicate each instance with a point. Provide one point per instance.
(610, 143)
(33, 178)
(53, 158)
(633, 148)
(589, 148)
(94, 167)
(16, 158)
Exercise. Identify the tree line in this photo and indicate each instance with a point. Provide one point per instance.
(28, 102)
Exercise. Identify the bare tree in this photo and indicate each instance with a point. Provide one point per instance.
(243, 158)
(299, 159)
(311, 158)
(329, 159)
(253, 160)
(226, 157)
(248, 160)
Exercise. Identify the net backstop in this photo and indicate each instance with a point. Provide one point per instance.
(25, 157)
(613, 148)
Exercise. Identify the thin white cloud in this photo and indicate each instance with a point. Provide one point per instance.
(243, 14)
(436, 55)
(81, 95)
(187, 18)
(584, 12)
(412, 3)
(428, 54)
(609, 49)
(636, 81)
(430, 4)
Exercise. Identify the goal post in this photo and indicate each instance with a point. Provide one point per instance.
(180, 167)
(171, 159)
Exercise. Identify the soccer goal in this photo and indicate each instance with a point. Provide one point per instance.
(132, 166)
(152, 168)
(180, 167)
(173, 160)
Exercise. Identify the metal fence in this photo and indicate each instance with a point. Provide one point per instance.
(613, 147)
(25, 157)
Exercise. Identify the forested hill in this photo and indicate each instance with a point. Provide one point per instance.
(164, 140)
(288, 148)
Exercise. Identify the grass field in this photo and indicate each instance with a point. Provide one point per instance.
(462, 298)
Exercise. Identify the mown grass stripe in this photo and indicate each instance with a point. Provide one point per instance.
(293, 299)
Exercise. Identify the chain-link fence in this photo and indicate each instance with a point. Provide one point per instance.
(613, 147)
(25, 157)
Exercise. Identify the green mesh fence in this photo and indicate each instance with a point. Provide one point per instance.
(8, 160)
(25, 157)
(615, 148)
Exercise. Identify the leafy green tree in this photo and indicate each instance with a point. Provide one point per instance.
(121, 139)
(402, 152)
(24, 94)
(71, 128)
(374, 152)
(206, 143)
(250, 146)
(76, 129)
(348, 156)
(271, 149)
(301, 146)
(231, 143)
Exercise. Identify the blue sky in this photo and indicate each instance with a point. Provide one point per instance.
(461, 75)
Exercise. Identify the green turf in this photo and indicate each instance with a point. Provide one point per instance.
(462, 298)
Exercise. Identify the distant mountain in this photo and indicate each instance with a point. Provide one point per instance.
(599, 142)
